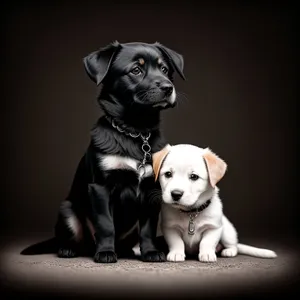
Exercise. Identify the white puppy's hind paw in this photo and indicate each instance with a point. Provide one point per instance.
(229, 252)
(207, 256)
(175, 256)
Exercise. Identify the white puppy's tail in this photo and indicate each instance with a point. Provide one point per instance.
(257, 252)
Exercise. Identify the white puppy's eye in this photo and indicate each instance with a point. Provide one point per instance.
(194, 177)
(168, 174)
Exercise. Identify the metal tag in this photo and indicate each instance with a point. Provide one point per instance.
(191, 228)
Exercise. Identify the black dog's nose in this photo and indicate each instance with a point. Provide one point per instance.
(176, 194)
(167, 89)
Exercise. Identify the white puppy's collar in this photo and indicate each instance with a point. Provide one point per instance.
(197, 209)
(193, 213)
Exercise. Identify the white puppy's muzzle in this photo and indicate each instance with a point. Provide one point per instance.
(176, 195)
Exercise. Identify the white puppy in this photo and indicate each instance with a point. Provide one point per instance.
(192, 215)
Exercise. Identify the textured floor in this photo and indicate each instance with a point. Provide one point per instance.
(48, 275)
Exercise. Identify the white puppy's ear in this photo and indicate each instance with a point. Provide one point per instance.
(158, 158)
(215, 165)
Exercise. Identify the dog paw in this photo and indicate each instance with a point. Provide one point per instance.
(154, 256)
(207, 256)
(175, 256)
(229, 252)
(105, 257)
(66, 252)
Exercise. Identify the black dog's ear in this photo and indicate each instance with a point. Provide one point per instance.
(175, 58)
(98, 62)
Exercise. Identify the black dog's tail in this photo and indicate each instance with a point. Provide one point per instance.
(46, 247)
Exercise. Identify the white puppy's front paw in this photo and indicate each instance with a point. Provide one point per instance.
(175, 256)
(207, 256)
(229, 252)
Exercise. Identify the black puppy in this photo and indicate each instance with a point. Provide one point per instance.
(113, 191)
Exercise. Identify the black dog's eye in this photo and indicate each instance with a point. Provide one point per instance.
(194, 177)
(168, 174)
(164, 69)
(136, 71)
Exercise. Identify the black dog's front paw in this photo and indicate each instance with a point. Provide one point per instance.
(105, 257)
(154, 256)
(66, 252)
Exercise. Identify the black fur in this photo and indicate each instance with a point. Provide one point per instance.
(134, 91)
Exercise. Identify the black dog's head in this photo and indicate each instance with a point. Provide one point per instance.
(137, 78)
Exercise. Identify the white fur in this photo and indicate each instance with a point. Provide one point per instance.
(72, 221)
(116, 162)
(137, 250)
(211, 225)
(75, 225)
(173, 96)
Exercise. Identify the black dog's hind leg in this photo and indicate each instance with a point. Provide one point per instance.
(68, 229)
(150, 208)
(103, 223)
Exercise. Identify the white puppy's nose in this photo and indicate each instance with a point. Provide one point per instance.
(176, 194)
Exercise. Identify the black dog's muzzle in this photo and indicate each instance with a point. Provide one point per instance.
(164, 104)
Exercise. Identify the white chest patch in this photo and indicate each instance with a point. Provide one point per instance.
(116, 162)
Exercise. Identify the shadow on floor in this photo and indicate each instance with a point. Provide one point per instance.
(242, 276)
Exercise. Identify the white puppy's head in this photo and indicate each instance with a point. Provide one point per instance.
(186, 172)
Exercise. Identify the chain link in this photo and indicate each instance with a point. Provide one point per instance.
(147, 152)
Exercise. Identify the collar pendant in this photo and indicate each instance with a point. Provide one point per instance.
(191, 227)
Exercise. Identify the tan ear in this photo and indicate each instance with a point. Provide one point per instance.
(215, 165)
(158, 158)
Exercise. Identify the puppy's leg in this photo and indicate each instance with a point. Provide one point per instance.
(175, 244)
(148, 220)
(148, 223)
(229, 239)
(103, 224)
(208, 244)
(68, 231)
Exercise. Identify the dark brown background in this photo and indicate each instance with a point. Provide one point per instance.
(239, 99)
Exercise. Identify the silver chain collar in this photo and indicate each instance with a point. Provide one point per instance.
(146, 148)
(133, 135)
